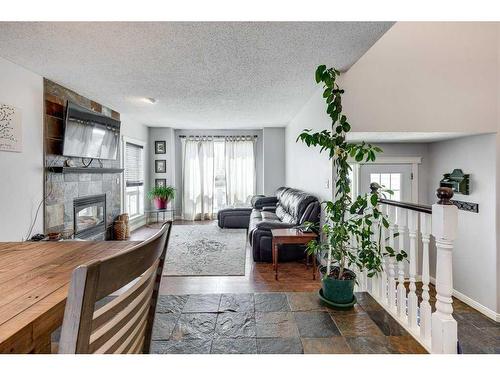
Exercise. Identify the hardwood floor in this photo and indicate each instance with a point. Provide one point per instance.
(259, 277)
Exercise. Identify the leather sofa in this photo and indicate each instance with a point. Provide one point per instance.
(289, 208)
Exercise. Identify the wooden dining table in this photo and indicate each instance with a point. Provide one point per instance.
(34, 282)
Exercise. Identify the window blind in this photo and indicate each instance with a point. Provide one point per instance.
(134, 165)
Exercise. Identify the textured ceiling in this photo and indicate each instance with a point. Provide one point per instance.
(204, 75)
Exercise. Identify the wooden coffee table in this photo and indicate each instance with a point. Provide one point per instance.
(291, 237)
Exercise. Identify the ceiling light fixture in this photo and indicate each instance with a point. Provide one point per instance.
(150, 100)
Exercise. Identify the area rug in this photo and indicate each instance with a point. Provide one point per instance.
(205, 250)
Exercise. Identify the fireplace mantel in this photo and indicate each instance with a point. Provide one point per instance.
(83, 170)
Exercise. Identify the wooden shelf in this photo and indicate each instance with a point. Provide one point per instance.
(83, 170)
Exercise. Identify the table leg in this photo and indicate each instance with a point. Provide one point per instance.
(314, 266)
(276, 262)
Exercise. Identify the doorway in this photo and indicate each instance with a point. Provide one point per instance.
(395, 177)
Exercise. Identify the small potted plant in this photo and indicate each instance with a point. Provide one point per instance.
(161, 195)
(353, 225)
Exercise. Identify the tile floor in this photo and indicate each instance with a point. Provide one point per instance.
(274, 323)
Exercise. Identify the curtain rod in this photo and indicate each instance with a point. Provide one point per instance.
(218, 136)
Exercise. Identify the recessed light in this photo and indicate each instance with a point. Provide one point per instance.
(149, 100)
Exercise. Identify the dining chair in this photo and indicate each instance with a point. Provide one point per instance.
(125, 324)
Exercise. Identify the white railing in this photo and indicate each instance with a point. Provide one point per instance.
(411, 228)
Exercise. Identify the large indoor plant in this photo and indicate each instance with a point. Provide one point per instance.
(351, 233)
(161, 195)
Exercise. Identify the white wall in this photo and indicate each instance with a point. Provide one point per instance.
(306, 168)
(21, 174)
(475, 249)
(426, 76)
(274, 159)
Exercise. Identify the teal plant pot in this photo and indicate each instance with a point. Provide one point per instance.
(338, 291)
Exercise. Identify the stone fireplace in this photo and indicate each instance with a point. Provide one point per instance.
(89, 217)
(64, 190)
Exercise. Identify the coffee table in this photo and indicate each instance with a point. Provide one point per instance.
(291, 236)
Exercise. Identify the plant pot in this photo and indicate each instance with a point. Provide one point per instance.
(160, 203)
(338, 291)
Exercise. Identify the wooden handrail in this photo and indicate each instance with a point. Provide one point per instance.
(425, 208)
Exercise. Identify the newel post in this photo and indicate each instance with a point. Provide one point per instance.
(444, 227)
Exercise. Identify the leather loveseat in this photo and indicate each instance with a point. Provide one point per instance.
(289, 208)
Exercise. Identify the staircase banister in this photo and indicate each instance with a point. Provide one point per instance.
(425, 208)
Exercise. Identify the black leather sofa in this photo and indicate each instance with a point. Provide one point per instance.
(289, 208)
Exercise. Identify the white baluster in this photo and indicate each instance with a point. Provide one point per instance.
(425, 306)
(412, 296)
(391, 292)
(383, 274)
(444, 226)
(401, 290)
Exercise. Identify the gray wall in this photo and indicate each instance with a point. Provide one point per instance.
(475, 249)
(274, 159)
(162, 134)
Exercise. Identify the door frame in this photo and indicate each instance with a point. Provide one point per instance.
(414, 161)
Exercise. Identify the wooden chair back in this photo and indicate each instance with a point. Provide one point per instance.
(123, 325)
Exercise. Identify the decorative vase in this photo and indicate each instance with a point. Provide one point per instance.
(160, 203)
(338, 291)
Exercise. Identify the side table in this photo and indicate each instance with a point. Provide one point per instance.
(290, 237)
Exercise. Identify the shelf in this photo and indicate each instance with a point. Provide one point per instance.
(83, 170)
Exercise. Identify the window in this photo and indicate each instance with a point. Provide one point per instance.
(391, 181)
(134, 179)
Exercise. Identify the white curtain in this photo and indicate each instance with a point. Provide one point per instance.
(198, 179)
(240, 170)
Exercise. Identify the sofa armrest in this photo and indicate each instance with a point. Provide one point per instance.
(261, 201)
(269, 208)
(267, 224)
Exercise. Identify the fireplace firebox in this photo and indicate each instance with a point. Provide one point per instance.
(89, 217)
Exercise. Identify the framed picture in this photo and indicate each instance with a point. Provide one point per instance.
(10, 128)
(160, 166)
(160, 182)
(160, 147)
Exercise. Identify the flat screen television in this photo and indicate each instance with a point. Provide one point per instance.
(89, 134)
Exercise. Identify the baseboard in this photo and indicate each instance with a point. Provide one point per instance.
(474, 304)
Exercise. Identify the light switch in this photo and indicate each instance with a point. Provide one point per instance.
(327, 184)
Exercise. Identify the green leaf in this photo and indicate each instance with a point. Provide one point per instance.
(346, 127)
(359, 156)
(319, 73)
(374, 199)
(327, 93)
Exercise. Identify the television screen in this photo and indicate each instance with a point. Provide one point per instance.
(89, 134)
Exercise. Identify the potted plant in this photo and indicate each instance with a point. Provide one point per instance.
(161, 195)
(351, 233)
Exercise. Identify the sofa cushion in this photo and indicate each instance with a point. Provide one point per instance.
(292, 205)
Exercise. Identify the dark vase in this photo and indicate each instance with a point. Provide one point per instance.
(338, 291)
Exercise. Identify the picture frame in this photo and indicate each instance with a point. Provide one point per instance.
(160, 182)
(160, 166)
(160, 147)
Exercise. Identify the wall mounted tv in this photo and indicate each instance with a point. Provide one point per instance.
(89, 134)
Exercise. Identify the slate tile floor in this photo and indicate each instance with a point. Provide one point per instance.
(274, 323)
